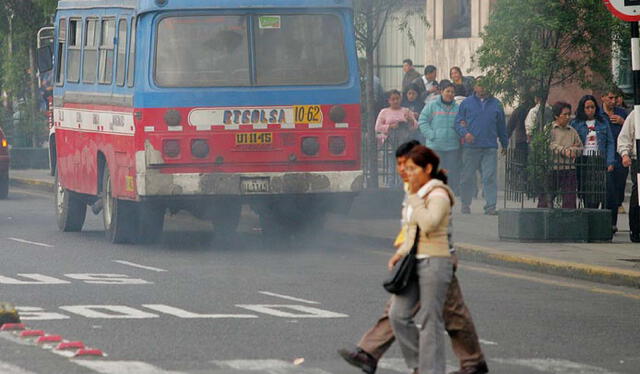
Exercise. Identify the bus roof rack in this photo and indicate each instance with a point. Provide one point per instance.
(143, 6)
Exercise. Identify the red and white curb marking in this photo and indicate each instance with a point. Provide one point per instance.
(19, 333)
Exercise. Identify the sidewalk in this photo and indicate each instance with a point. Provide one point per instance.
(476, 238)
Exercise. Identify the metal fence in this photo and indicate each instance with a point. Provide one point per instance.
(555, 179)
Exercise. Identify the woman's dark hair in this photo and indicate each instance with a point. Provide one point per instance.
(411, 87)
(444, 84)
(423, 156)
(457, 69)
(559, 107)
(580, 114)
(404, 148)
(390, 93)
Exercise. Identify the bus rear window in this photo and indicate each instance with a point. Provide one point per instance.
(299, 50)
(202, 51)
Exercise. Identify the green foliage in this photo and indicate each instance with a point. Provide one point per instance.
(539, 161)
(531, 46)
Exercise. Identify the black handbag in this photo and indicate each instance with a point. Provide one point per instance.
(404, 270)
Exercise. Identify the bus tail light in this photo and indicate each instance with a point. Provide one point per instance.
(171, 148)
(310, 146)
(199, 148)
(172, 118)
(337, 145)
(337, 114)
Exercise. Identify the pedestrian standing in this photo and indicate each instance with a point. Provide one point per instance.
(616, 116)
(437, 125)
(457, 318)
(627, 150)
(535, 117)
(427, 215)
(565, 145)
(463, 85)
(480, 122)
(428, 84)
(599, 149)
(395, 125)
(410, 73)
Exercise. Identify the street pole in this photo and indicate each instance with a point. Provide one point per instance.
(635, 63)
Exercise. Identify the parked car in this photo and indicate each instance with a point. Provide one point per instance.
(4, 166)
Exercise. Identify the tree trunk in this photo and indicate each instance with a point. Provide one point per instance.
(35, 96)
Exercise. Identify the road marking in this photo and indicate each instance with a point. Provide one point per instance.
(268, 366)
(399, 365)
(181, 313)
(553, 282)
(30, 242)
(291, 298)
(37, 279)
(106, 279)
(6, 368)
(117, 311)
(307, 311)
(555, 366)
(122, 367)
(487, 342)
(140, 266)
(29, 313)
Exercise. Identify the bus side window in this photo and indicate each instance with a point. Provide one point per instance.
(132, 54)
(90, 60)
(74, 50)
(105, 69)
(60, 59)
(122, 52)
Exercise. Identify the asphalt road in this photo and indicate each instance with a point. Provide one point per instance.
(191, 304)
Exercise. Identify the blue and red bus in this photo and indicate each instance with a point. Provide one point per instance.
(204, 105)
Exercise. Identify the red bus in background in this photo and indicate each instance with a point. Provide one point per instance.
(204, 106)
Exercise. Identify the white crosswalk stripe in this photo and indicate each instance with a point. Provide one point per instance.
(122, 367)
(268, 366)
(555, 366)
(398, 364)
(6, 368)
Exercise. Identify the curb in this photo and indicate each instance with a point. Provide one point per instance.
(32, 184)
(600, 274)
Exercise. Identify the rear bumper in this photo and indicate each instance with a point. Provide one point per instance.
(152, 183)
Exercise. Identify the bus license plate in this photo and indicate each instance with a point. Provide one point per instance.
(311, 114)
(254, 185)
(246, 138)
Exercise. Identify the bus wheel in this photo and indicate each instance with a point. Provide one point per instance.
(4, 184)
(120, 216)
(226, 217)
(150, 222)
(70, 210)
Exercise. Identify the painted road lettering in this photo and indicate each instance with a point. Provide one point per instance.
(34, 279)
(106, 279)
(127, 312)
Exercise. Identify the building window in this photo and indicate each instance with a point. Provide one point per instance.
(105, 68)
(122, 52)
(74, 50)
(90, 60)
(60, 61)
(457, 19)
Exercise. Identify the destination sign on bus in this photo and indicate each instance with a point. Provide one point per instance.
(311, 114)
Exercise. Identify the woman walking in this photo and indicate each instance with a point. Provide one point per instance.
(599, 149)
(436, 124)
(427, 214)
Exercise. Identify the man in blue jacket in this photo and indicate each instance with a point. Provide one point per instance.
(480, 122)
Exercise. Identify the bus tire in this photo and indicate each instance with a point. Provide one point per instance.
(120, 216)
(150, 222)
(71, 211)
(4, 184)
(226, 217)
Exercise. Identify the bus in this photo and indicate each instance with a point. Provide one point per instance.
(203, 106)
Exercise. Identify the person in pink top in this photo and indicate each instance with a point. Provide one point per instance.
(395, 120)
